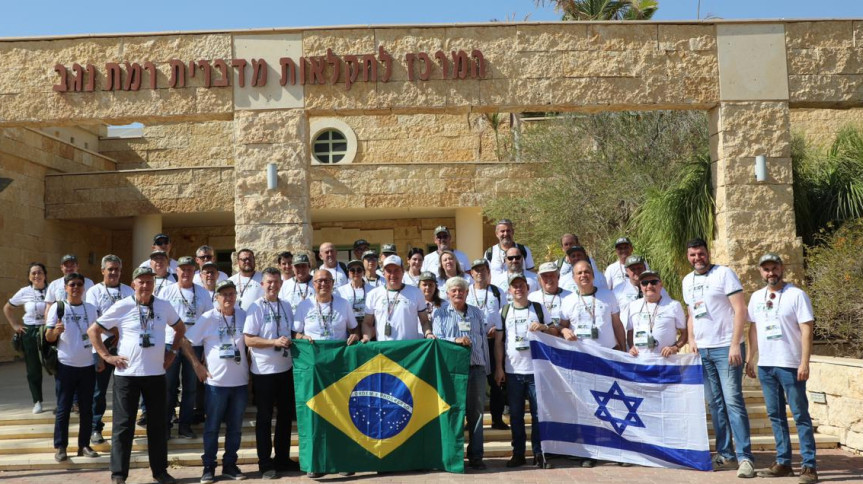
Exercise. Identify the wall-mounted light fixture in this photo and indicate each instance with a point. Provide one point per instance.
(760, 168)
(272, 176)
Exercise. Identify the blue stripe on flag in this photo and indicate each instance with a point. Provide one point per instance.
(580, 361)
(589, 435)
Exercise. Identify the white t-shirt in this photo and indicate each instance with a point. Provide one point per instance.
(33, 301)
(295, 292)
(668, 319)
(778, 327)
(73, 346)
(497, 264)
(411, 280)
(190, 304)
(552, 303)
(488, 303)
(104, 297)
(379, 282)
(615, 274)
(269, 320)
(569, 283)
(57, 290)
(713, 328)
(162, 283)
(325, 321)
(134, 322)
(356, 297)
(518, 321)
(249, 289)
(398, 308)
(197, 279)
(587, 312)
(172, 265)
(431, 262)
(223, 341)
(626, 293)
(340, 278)
(502, 283)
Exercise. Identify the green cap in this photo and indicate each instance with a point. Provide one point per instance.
(644, 275)
(227, 283)
(186, 261)
(632, 260)
(427, 276)
(478, 262)
(301, 259)
(516, 276)
(355, 262)
(142, 271)
(388, 249)
(157, 253)
(769, 257)
(370, 253)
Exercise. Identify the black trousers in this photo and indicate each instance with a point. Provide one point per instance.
(497, 394)
(274, 390)
(127, 391)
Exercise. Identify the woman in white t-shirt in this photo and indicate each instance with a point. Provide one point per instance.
(429, 288)
(415, 264)
(450, 267)
(32, 299)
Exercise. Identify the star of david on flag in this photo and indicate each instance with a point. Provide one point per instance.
(604, 404)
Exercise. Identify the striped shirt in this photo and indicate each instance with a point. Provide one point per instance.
(445, 325)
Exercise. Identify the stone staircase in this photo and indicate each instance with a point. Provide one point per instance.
(26, 440)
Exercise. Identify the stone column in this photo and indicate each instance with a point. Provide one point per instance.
(468, 229)
(144, 228)
(270, 221)
(753, 217)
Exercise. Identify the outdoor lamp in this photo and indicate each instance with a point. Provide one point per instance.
(760, 168)
(272, 176)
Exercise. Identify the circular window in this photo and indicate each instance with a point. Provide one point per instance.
(332, 142)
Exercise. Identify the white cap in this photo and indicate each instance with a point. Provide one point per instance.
(393, 259)
(547, 267)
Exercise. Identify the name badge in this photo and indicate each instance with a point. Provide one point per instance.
(521, 343)
(641, 339)
(145, 340)
(699, 310)
(228, 351)
(773, 331)
(464, 325)
(583, 329)
(86, 340)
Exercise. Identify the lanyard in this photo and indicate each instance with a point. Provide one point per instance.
(704, 284)
(414, 280)
(354, 290)
(484, 301)
(303, 295)
(391, 305)
(38, 294)
(324, 324)
(194, 307)
(769, 303)
(515, 316)
(78, 320)
(275, 315)
(548, 305)
(240, 285)
(651, 319)
(229, 329)
(148, 321)
(114, 298)
(592, 311)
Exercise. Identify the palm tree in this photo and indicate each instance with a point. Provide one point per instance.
(603, 9)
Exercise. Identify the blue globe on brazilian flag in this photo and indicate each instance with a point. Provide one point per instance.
(389, 406)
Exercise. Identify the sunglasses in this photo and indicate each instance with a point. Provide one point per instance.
(355, 269)
(205, 257)
(163, 242)
(513, 257)
(75, 284)
(248, 259)
(652, 282)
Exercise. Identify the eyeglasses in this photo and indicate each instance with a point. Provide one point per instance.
(205, 257)
(513, 257)
(75, 284)
(652, 282)
(247, 259)
(355, 269)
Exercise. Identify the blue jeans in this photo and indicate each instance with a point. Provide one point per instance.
(519, 388)
(100, 393)
(779, 384)
(228, 404)
(723, 388)
(475, 405)
(190, 383)
(69, 381)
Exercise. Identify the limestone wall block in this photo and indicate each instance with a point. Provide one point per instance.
(341, 41)
(626, 63)
(802, 35)
(268, 209)
(844, 411)
(857, 27)
(329, 98)
(398, 42)
(611, 36)
(429, 94)
(269, 239)
(557, 37)
(854, 440)
(804, 61)
(46, 53)
(768, 198)
(691, 64)
(840, 61)
(161, 49)
(741, 171)
(687, 37)
(822, 89)
(258, 127)
(335, 201)
(253, 182)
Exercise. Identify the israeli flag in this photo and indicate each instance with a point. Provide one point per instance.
(605, 404)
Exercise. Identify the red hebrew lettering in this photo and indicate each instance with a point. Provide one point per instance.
(460, 64)
(259, 72)
(387, 59)
(302, 71)
(222, 67)
(113, 77)
(178, 74)
(133, 77)
(410, 57)
(78, 80)
(369, 68)
(151, 72)
(192, 67)
(352, 70)
(444, 63)
(426, 70)
(479, 63)
(335, 64)
(240, 65)
(63, 85)
(317, 65)
(90, 86)
(289, 71)
(208, 72)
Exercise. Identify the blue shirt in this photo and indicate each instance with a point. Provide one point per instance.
(445, 325)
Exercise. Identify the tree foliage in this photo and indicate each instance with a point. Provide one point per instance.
(603, 9)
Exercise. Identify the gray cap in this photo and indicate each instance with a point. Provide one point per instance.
(142, 271)
(427, 276)
(576, 248)
(208, 264)
(440, 229)
(157, 253)
(355, 262)
(370, 253)
(227, 283)
(301, 259)
(547, 267)
(388, 249)
(360, 242)
(769, 257)
(644, 275)
(68, 258)
(478, 262)
(632, 260)
(516, 276)
(186, 260)
(622, 240)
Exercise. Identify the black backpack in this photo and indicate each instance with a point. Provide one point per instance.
(537, 307)
(47, 349)
(521, 249)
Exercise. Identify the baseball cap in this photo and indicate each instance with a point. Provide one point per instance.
(301, 259)
(388, 249)
(142, 271)
(478, 262)
(427, 276)
(186, 261)
(575, 248)
(360, 242)
(441, 229)
(370, 253)
(157, 253)
(644, 275)
(209, 264)
(622, 240)
(547, 267)
(632, 260)
(393, 260)
(68, 258)
(515, 276)
(769, 257)
(355, 262)
(158, 237)
(227, 283)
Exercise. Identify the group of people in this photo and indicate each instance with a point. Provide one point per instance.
(183, 322)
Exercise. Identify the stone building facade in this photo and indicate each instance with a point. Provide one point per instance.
(413, 106)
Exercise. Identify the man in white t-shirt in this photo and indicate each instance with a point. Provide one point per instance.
(781, 337)
(221, 334)
(566, 242)
(161, 242)
(515, 366)
(269, 322)
(717, 316)
(386, 251)
(205, 254)
(209, 277)
(496, 254)
(443, 240)
(631, 289)
(615, 273)
(489, 299)
(331, 263)
(300, 287)
(396, 311)
(247, 280)
(574, 254)
(103, 296)
(360, 248)
(285, 261)
(514, 265)
(164, 277)
(326, 316)
(550, 294)
(140, 370)
(57, 289)
(591, 313)
(653, 322)
(355, 290)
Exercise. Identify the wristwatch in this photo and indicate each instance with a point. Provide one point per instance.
(175, 352)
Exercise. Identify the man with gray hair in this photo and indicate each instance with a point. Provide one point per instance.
(103, 296)
(205, 254)
(496, 254)
(443, 240)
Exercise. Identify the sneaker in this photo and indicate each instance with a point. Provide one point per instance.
(117, 480)
(516, 461)
(37, 407)
(808, 475)
(61, 456)
(588, 463)
(720, 463)
(142, 422)
(269, 474)
(346, 474)
(233, 472)
(477, 465)
(208, 476)
(499, 425)
(165, 478)
(87, 452)
(314, 475)
(97, 438)
(746, 469)
(186, 432)
(777, 470)
(541, 462)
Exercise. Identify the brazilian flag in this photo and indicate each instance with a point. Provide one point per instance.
(380, 406)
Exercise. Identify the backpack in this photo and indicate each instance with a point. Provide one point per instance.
(537, 308)
(496, 291)
(521, 249)
(47, 349)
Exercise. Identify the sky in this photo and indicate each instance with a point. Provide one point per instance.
(65, 17)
